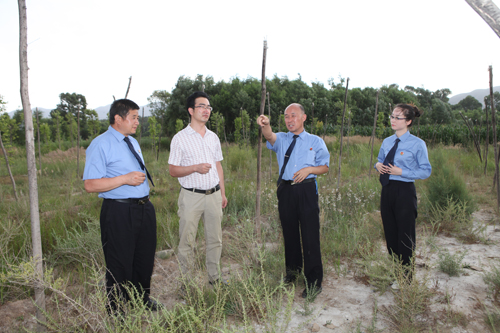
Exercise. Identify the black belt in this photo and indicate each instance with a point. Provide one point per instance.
(136, 201)
(209, 191)
(291, 182)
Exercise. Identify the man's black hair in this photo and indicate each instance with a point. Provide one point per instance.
(121, 107)
(192, 98)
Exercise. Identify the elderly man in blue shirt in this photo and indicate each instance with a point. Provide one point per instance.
(301, 158)
(115, 169)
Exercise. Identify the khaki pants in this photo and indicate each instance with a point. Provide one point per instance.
(192, 206)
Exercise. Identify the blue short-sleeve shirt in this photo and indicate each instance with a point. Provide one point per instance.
(109, 156)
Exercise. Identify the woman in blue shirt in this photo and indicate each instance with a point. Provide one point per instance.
(402, 159)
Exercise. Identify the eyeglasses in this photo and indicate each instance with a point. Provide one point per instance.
(206, 107)
(397, 118)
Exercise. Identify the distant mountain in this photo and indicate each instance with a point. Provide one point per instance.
(478, 94)
(102, 111)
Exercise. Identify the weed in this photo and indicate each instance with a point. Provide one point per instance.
(450, 264)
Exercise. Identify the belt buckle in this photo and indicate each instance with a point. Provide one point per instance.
(141, 202)
(293, 183)
(207, 192)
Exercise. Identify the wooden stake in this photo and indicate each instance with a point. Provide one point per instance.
(128, 88)
(78, 142)
(259, 142)
(342, 133)
(270, 152)
(373, 134)
(487, 136)
(31, 161)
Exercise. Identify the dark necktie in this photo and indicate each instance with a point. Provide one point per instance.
(143, 167)
(389, 159)
(287, 157)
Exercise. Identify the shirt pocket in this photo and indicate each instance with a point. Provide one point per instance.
(405, 159)
(311, 157)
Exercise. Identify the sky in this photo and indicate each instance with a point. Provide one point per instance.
(92, 47)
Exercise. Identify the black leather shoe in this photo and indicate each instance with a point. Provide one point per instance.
(289, 278)
(153, 305)
(219, 283)
(312, 292)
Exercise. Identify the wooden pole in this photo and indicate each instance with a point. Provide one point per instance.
(312, 119)
(31, 161)
(259, 142)
(373, 134)
(128, 88)
(8, 167)
(270, 152)
(487, 136)
(495, 144)
(342, 133)
(39, 149)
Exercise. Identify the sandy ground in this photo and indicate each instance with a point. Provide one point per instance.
(348, 302)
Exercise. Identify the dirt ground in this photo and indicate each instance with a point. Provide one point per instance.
(347, 301)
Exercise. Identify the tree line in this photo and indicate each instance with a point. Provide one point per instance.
(236, 104)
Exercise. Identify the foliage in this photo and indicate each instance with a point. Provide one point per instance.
(451, 264)
(154, 131)
(447, 184)
(179, 125)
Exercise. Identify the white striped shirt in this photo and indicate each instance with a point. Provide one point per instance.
(189, 148)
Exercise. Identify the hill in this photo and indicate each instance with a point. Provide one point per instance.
(478, 94)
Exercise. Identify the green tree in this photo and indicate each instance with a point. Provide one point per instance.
(73, 103)
(158, 104)
(468, 103)
(45, 132)
(179, 125)
(93, 123)
(154, 131)
(217, 122)
(71, 127)
(57, 123)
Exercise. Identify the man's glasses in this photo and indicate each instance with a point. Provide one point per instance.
(206, 107)
(397, 118)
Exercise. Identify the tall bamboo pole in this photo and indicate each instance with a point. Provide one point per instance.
(259, 142)
(342, 133)
(495, 144)
(487, 136)
(270, 152)
(31, 161)
(78, 142)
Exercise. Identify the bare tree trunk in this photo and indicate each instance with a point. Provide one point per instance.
(39, 149)
(471, 130)
(203, 87)
(78, 142)
(270, 152)
(487, 136)
(259, 142)
(312, 119)
(8, 167)
(373, 135)
(31, 161)
(495, 143)
(128, 88)
(342, 133)
(488, 11)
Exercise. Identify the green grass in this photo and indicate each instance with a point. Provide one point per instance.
(351, 237)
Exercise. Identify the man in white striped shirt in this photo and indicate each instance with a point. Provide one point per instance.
(195, 159)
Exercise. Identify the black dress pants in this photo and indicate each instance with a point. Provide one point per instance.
(398, 208)
(128, 236)
(299, 214)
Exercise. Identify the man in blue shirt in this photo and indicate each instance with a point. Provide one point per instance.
(115, 169)
(301, 157)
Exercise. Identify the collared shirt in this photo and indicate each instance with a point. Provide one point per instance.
(411, 156)
(187, 148)
(109, 156)
(309, 151)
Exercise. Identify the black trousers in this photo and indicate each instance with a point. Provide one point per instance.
(128, 236)
(299, 214)
(398, 208)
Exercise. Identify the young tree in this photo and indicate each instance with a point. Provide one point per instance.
(56, 115)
